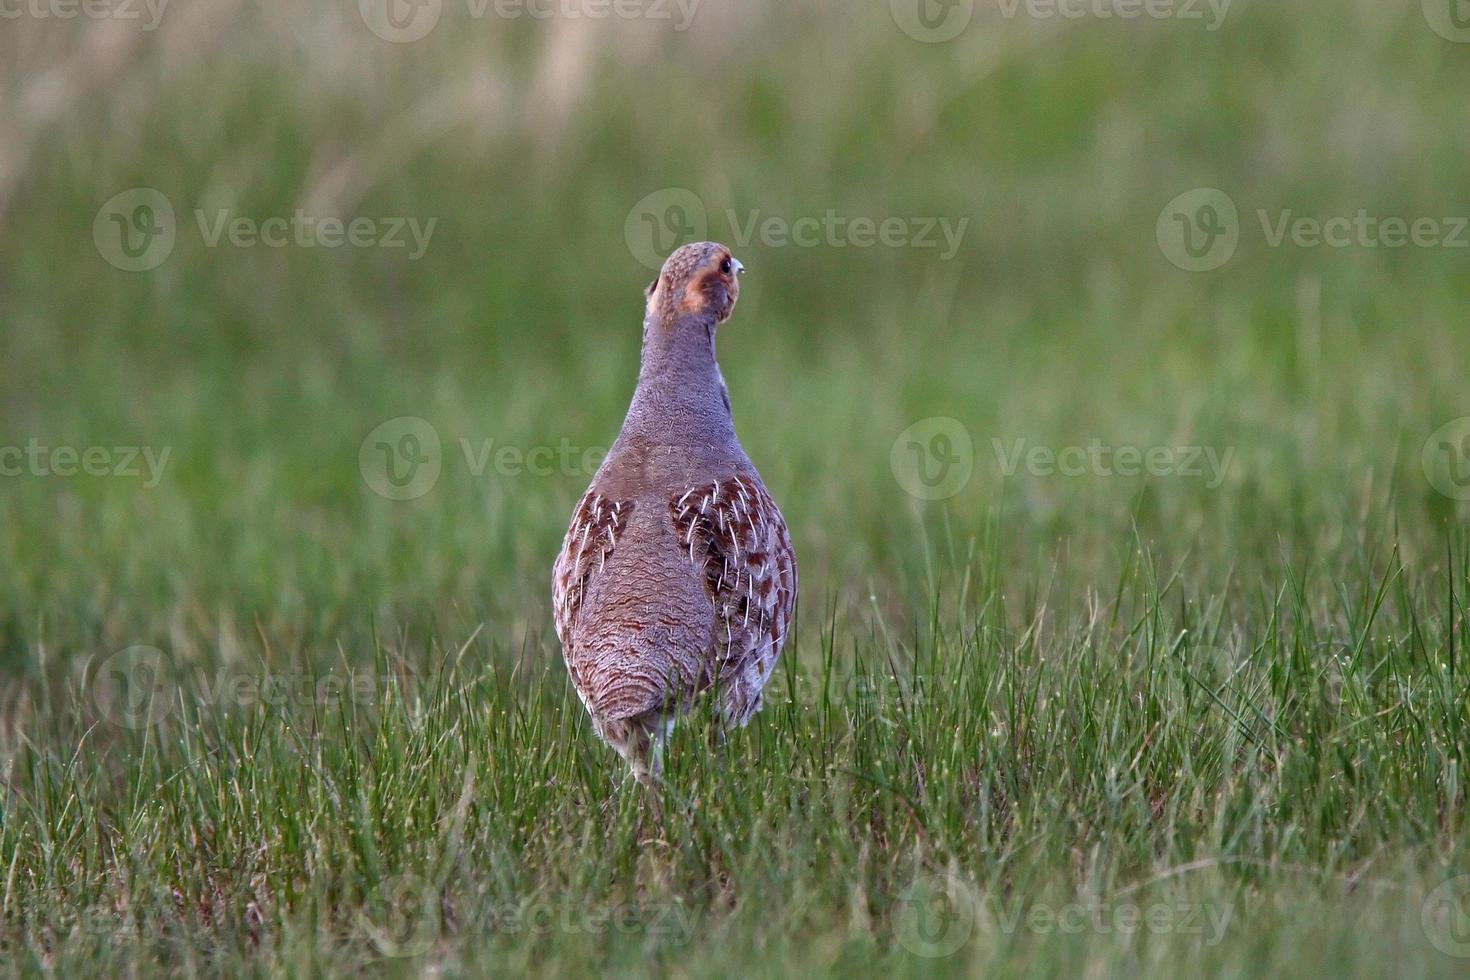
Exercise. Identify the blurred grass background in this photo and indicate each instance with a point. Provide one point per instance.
(1059, 320)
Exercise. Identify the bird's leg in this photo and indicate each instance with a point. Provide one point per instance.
(649, 784)
(664, 728)
(648, 770)
(730, 716)
(644, 775)
(640, 749)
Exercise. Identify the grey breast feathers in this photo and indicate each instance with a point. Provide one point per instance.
(729, 539)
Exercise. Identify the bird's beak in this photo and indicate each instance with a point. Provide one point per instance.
(739, 266)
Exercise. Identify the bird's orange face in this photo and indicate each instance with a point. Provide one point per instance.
(702, 278)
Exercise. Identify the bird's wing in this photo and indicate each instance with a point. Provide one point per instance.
(597, 523)
(735, 536)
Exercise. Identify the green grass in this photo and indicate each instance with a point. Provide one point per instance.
(1134, 725)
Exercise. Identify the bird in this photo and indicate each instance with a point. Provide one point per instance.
(677, 577)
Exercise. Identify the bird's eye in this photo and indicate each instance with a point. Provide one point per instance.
(725, 266)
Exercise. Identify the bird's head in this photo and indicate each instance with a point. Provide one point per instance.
(701, 280)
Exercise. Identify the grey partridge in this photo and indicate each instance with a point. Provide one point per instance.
(677, 574)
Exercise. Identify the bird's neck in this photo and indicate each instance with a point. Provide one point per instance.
(681, 399)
